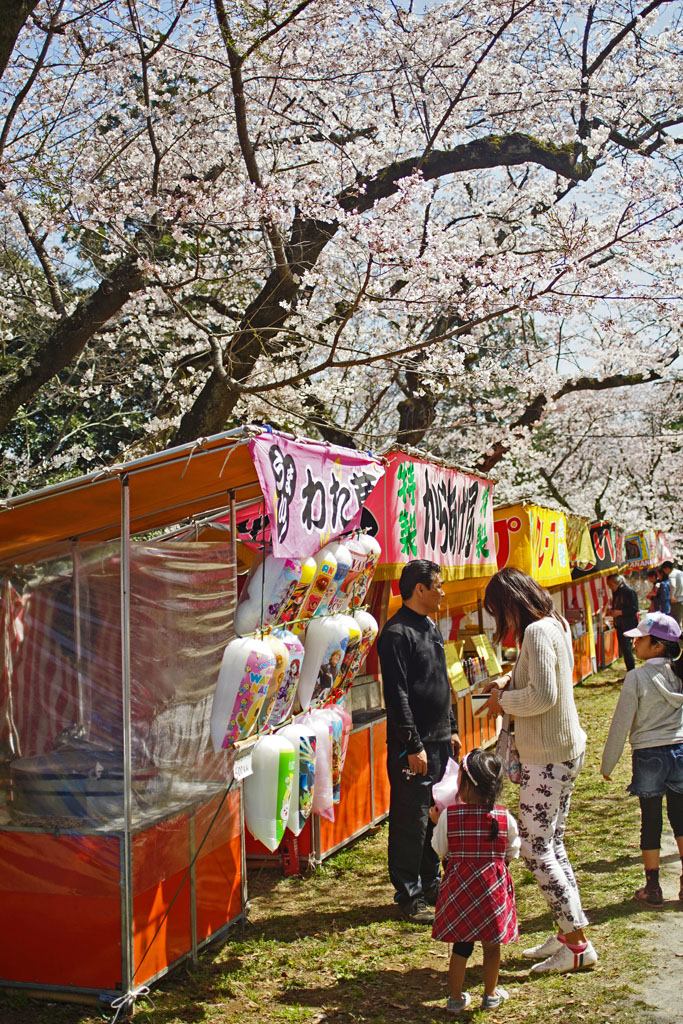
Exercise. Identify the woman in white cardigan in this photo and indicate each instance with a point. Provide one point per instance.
(551, 744)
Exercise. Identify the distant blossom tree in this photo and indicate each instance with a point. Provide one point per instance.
(349, 218)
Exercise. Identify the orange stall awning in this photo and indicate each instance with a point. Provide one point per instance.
(165, 488)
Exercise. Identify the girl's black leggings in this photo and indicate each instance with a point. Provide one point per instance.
(651, 818)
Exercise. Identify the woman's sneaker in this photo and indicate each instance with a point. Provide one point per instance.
(565, 960)
(497, 999)
(650, 897)
(546, 949)
(456, 1006)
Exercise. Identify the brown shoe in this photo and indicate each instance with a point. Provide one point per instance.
(417, 911)
(650, 897)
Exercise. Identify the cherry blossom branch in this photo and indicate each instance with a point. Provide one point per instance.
(28, 84)
(537, 409)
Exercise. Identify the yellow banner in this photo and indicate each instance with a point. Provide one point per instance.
(484, 649)
(456, 672)
(533, 539)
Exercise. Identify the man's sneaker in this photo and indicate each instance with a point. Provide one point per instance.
(565, 960)
(417, 911)
(497, 999)
(650, 897)
(456, 1006)
(546, 949)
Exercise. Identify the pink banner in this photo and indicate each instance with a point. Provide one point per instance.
(313, 492)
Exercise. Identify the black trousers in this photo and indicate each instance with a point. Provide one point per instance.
(626, 649)
(414, 868)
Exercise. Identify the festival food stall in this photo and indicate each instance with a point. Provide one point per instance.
(426, 509)
(645, 549)
(590, 592)
(533, 538)
(128, 721)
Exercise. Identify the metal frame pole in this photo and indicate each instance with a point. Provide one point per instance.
(83, 719)
(127, 951)
(244, 890)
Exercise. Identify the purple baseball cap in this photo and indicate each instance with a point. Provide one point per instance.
(658, 625)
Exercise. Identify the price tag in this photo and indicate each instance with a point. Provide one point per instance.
(485, 650)
(456, 673)
(242, 766)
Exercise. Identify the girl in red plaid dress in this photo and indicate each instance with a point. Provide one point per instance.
(476, 901)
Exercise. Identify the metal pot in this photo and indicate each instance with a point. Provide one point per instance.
(72, 784)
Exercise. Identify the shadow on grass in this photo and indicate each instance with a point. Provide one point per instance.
(603, 867)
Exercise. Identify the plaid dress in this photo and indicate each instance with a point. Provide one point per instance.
(476, 900)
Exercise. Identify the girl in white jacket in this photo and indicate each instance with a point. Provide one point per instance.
(650, 712)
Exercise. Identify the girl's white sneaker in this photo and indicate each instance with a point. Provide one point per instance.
(546, 949)
(565, 960)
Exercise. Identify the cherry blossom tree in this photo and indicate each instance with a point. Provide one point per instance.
(357, 219)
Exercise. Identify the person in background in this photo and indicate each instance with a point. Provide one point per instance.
(551, 745)
(652, 595)
(664, 591)
(476, 900)
(650, 712)
(421, 735)
(675, 578)
(625, 615)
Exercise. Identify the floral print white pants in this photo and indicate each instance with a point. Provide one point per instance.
(544, 797)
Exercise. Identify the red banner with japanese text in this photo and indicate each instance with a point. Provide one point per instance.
(426, 510)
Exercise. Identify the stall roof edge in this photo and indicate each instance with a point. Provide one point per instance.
(415, 453)
(166, 487)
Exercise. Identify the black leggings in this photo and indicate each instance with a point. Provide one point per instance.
(463, 949)
(651, 818)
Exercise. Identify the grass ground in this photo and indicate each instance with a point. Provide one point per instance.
(330, 948)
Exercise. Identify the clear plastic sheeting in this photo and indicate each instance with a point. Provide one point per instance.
(125, 881)
(61, 697)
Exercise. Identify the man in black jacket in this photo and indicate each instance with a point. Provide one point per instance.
(625, 615)
(421, 735)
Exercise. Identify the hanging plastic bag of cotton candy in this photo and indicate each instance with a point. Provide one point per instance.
(326, 567)
(243, 680)
(326, 641)
(268, 790)
(344, 560)
(445, 792)
(351, 654)
(372, 551)
(284, 698)
(369, 630)
(321, 724)
(291, 611)
(303, 739)
(266, 593)
(341, 729)
(281, 653)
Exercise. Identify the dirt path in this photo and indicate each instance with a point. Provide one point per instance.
(663, 989)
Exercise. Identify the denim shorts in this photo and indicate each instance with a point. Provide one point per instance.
(656, 769)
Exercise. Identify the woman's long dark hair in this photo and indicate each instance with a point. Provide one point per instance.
(515, 600)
